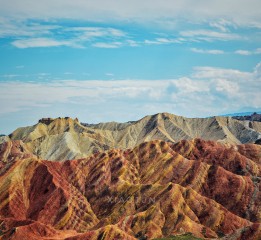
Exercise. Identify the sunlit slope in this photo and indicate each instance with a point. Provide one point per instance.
(66, 138)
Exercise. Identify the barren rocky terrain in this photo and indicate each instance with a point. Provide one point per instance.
(66, 138)
(162, 177)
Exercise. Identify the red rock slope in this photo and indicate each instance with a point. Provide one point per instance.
(155, 190)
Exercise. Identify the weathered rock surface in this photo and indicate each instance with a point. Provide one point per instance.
(153, 190)
(65, 138)
(4, 138)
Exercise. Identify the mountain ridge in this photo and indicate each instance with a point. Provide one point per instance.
(67, 138)
(159, 176)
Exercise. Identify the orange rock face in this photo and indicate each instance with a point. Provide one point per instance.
(155, 190)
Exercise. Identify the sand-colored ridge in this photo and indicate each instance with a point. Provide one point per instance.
(66, 138)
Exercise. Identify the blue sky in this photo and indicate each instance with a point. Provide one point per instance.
(121, 60)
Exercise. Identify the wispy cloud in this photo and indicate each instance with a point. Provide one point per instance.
(17, 28)
(209, 35)
(208, 91)
(53, 33)
(132, 43)
(218, 73)
(118, 44)
(29, 34)
(217, 52)
(159, 41)
(40, 42)
(243, 52)
(107, 45)
(223, 25)
(248, 52)
(87, 33)
(212, 51)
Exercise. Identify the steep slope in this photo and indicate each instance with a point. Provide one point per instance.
(156, 189)
(61, 138)
(65, 138)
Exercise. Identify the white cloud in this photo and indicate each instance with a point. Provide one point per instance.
(107, 45)
(221, 73)
(208, 91)
(19, 28)
(132, 43)
(212, 51)
(188, 85)
(87, 33)
(243, 52)
(123, 43)
(151, 42)
(40, 42)
(247, 52)
(227, 86)
(216, 51)
(223, 25)
(208, 35)
(167, 41)
(16, 96)
(150, 11)
(26, 34)
(159, 41)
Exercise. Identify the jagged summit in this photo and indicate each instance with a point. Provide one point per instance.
(67, 138)
(48, 121)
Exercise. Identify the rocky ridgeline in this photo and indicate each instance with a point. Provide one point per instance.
(66, 138)
(48, 121)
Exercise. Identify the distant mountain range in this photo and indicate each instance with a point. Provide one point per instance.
(66, 138)
(253, 117)
(241, 114)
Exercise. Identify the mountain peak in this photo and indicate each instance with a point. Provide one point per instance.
(48, 121)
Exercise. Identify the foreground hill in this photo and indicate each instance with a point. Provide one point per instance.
(156, 189)
(65, 138)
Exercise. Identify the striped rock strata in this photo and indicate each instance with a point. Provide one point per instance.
(156, 189)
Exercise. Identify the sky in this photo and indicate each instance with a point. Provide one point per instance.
(116, 60)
